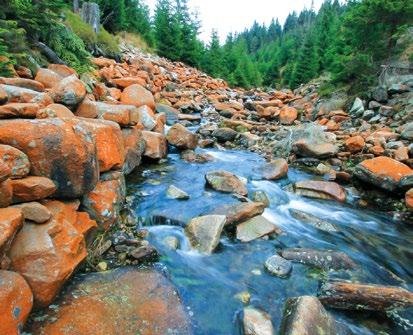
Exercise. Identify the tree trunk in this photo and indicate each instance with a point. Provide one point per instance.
(75, 6)
(49, 53)
(91, 15)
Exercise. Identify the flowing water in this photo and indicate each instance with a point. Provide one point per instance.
(209, 285)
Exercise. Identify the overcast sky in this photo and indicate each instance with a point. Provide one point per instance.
(235, 15)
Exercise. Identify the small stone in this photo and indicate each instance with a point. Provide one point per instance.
(257, 322)
(174, 192)
(34, 211)
(261, 196)
(102, 266)
(171, 242)
(244, 297)
(227, 182)
(144, 254)
(274, 170)
(278, 266)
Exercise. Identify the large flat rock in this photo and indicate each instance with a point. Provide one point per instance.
(125, 301)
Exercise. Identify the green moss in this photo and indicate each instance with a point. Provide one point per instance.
(107, 42)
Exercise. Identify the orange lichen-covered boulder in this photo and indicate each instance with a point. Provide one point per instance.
(5, 171)
(320, 190)
(11, 220)
(16, 302)
(149, 306)
(128, 81)
(62, 70)
(383, 172)
(47, 254)
(181, 137)
(16, 160)
(22, 82)
(138, 96)
(288, 115)
(54, 110)
(63, 151)
(156, 146)
(109, 143)
(70, 91)
(24, 95)
(134, 146)
(32, 188)
(355, 144)
(48, 77)
(6, 193)
(19, 110)
(105, 201)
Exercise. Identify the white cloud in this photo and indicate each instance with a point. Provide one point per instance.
(235, 15)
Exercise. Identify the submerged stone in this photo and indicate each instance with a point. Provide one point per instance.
(313, 220)
(257, 322)
(174, 192)
(278, 266)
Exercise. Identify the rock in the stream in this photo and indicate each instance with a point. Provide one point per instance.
(16, 302)
(156, 145)
(383, 172)
(240, 212)
(125, 301)
(224, 134)
(309, 148)
(204, 232)
(278, 266)
(325, 259)
(170, 112)
(312, 220)
(181, 137)
(255, 228)
(260, 196)
(274, 170)
(172, 242)
(305, 315)
(174, 192)
(145, 254)
(257, 322)
(320, 190)
(352, 296)
(227, 182)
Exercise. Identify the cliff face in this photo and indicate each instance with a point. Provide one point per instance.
(66, 144)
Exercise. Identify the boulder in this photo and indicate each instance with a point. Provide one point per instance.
(204, 232)
(355, 144)
(320, 190)
(310, 148)
(181, 137)
(63, 151)
(257, 322)
(16, 160)
(226, 182)
(105, 202)
(156, 146)
(278, 266)
(6, 193)
(325, 259)
(288, 115)
(274, 170)
(11, 220)
(144, 116)
(128, 81)
(109, 143)
(32, 188)
(147, 304)
(174, 192)
(256, 228)
(305, 315)
(407, 132)
(383, 172)
(353, 296)
(62, 70)
(137, 95)
(46, 255)
(48, 78)
(224, 134)
(24, 95)
(357, 109)
(34, 211)
(134, 148)
(240, 212)
(172, 114)
(16, 302)
(5, 172)
(54, 110)
(19, 110)
(24, 83)
(70, 91)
